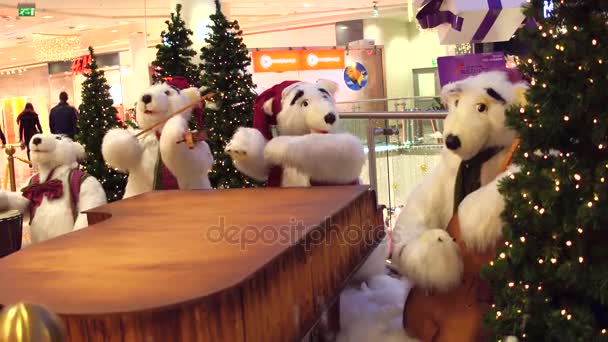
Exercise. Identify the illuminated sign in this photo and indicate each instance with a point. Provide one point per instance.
(297, 60)
(26, 10)
(80, 65)
(547, 8)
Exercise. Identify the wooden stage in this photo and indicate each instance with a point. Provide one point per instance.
(219, 265)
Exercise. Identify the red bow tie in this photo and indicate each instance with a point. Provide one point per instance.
(35, 192)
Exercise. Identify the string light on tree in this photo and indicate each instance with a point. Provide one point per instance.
(224, 61)
(97, 103)
(568, 97)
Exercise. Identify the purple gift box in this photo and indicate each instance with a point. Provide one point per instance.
(456, 68)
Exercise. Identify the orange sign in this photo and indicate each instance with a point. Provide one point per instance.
(322, 59)
(296, 60)
(81, 64)
(276, 61)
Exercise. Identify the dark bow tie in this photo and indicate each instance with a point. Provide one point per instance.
(35, 193)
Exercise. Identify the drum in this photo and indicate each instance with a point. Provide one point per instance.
(11, 232)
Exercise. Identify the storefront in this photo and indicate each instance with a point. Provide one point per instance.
(359, 73)
(69, 77)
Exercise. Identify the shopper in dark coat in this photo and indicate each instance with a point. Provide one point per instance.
(29, 125)
(63, 117)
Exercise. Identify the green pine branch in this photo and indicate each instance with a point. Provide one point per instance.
(550, 278)
(174, 53)
(97, 115)
(224, 62)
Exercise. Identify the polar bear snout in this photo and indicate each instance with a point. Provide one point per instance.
(146, 98)
(452, 142)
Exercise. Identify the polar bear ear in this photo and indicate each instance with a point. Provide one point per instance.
(268, 107)
(328, 85)
(78, 150)
(192, 93)
(519, 97)
(449, 92)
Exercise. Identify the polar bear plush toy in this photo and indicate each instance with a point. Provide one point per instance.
(155, 161)
(444, 265)
(304, 148)
(56, 196)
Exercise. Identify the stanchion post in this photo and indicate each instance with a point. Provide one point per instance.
(10, 151)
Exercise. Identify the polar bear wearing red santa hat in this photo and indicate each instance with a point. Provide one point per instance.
(294, 140)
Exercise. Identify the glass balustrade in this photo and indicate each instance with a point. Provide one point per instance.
(401, 148)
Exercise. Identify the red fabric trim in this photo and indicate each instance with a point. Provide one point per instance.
(263, 121)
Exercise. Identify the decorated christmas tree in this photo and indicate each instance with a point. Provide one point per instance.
(174, 55)
(97, 116)
(225, 60)
(550, 277)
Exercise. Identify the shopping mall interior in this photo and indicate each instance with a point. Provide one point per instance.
(310, 171)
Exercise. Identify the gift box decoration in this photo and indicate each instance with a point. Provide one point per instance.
(455, 68)
(472, 21)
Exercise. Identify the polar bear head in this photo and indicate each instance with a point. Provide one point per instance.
(298, 108)
(51, 150)
(476, 112)
(162, 100)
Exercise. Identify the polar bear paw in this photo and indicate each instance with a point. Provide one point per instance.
(277, 150)
(432, 261)
(246, 143)
(121, 149)
(480, 221)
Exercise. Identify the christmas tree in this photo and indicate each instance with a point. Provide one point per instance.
(225, 60)
(97, 116)
(550, 277)
(174, 55)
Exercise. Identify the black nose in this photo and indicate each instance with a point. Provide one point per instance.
(330, 118)
(36, 141)
(452, 142)
(146, 98)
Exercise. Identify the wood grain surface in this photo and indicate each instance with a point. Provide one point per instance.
(230, 265)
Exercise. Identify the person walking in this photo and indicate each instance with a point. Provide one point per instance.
(63, 117)
(29, 125)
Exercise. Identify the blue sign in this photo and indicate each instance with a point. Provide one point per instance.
(547, 8)
(355, 76)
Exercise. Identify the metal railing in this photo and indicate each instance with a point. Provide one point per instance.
(9, 171)
(374, 130)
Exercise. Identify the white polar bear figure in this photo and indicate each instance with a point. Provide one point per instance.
(306, 150)
(155, 161)
(474, 130)
(56, 196)
(443, 265)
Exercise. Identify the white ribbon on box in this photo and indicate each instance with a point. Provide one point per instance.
(476, 21)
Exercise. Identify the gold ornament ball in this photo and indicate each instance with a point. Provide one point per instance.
(424, 168)
(30, 323)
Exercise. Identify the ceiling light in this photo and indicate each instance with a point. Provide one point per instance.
(115, 40)
(307, 5)
(13, 59)
(123, 23)
(114, 31)
(343, 27)
(47, 17)
(10, 25)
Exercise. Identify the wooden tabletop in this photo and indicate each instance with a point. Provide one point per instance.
(161, 248)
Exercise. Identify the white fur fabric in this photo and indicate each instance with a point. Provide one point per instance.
(139, 157)
(476, 120)
(308, 148)
(57, 155)
(373, 312)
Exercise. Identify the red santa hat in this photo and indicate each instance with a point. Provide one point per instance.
(263, 120)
